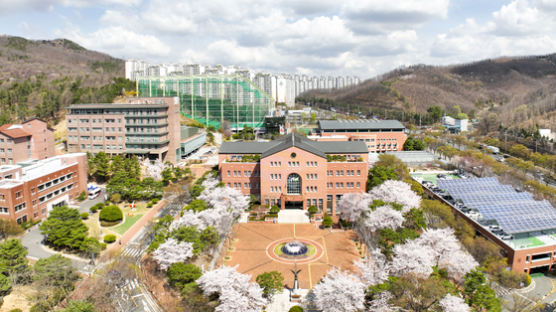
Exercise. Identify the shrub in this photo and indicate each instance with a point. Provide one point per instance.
(110, 214)
(270, 282)
(181, 274)
(327, 221)
(274, 209)
(149, 205)
(312, 210)
(96, 207)
(116, 198)
(110, 238)
(155, 201)
(296, 309)
(84, 216)
(82, 196)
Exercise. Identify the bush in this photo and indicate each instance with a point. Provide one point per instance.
(155, 201)
(96, 207)
(82, 196)
(296, 309)
(274, 209)
(181, 274)
(327, 221)
(84, 216)
(111, 213)
(110, 238)
(312, 210)
(116, 198)
(149, 205)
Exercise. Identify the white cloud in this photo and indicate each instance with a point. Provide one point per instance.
(7, 6)
(121, 42)
(378, 16)
(363, 37)
(517, 28)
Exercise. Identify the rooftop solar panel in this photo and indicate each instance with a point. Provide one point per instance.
(515, 212)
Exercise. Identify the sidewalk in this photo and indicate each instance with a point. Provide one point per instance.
(124, 239)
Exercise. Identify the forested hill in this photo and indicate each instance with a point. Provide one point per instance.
(41, 77)
(519, 90)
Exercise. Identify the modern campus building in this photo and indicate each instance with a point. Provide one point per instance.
(295, 172)
(379, 135)
(30, 140)
(146, 127)
(29, 192)
(231, 101)
(523, 227)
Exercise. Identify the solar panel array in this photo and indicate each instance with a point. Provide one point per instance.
(515, 212)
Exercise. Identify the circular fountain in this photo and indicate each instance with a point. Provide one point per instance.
(294, 248)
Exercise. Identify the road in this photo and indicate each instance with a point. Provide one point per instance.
(130, 294)
(32, 241)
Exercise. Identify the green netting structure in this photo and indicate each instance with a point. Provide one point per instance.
(212, 99)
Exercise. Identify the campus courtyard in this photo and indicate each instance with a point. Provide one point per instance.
(256, 246)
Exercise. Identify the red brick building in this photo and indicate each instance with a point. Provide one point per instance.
(28, 193)
(378, 135)
(295, 172)
(32, 139)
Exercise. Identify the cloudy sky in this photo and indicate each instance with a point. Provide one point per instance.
(354, 37)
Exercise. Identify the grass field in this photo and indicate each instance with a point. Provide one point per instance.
(527, 242)
(129, 221)
(431, 177)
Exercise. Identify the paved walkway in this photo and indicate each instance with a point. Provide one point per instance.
(146, 218)
(293, 216)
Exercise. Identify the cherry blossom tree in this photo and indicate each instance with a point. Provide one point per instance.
(458, 264)
(152, 169)
(236, 292)
(224, 204)
(352, 206)
(172, 251)
(381, 304)
(383, 217)
(339, 292)
(447, 252)
(412, 257)
(452, 303)
(225, 197)
(372, 270)
(398, 192)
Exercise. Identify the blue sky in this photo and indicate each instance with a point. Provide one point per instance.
(353, 37)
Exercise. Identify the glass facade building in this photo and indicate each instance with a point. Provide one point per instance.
(213, 99)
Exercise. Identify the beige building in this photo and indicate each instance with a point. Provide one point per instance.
(147, 127)
(30, 192)
(30, 140)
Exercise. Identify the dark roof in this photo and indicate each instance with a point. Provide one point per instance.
(359, 124)
(118, 105)
(296, 140)
(293, 140)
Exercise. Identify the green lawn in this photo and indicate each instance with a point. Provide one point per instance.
(527, 242)
(431, 177)
(129, 221)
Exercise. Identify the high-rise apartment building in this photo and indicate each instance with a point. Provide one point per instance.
(283, 88)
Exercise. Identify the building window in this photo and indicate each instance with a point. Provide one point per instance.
(294, 184)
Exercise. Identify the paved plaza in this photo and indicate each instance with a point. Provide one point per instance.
(254, 245)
